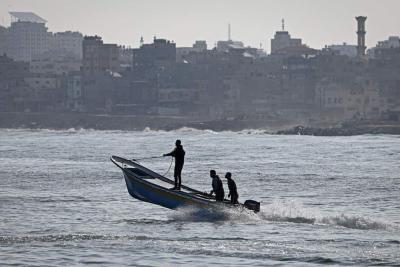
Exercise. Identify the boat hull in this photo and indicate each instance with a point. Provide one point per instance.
(144, 191)
(148, 186)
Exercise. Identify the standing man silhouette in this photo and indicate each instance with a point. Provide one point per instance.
(179, 154)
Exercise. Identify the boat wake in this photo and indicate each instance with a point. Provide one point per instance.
(355, 222)
(295, 212)
(282, 212)
(192, 214)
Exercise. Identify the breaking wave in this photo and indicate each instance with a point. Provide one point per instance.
(190, 129)
(184, 129)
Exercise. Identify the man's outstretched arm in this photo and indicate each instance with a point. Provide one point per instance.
(172, 153)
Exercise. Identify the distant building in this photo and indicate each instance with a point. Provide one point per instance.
(225, 46)
(176, 101)
(198, 47)
(41, 81)
(53, 65)
(98, 92)
(384, 47)
(125, 57)
(99, 57)
(68, 43)
(282, 40)
(11, 69)
(74, 92)
(3, 40)
(27, 37)
(355, 101)
(148, 54)
(391, 42)
(48, 92)
(344, 49)
(12, 85)
(133, 96)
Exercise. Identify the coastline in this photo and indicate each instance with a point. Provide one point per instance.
(63, 121)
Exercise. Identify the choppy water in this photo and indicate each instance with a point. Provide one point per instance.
(325, 200)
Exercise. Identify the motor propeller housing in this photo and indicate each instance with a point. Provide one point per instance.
(252, 205)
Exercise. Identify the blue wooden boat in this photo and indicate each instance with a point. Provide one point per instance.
(149, 186)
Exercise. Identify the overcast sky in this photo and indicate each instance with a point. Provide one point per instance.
(317, 22)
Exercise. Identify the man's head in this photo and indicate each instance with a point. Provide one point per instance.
(178, 142)
(228, 175)
(213, 173)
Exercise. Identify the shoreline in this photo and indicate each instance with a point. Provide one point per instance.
(65, 121)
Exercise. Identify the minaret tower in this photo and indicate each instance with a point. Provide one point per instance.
(361, 36)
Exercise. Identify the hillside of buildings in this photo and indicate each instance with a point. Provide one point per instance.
(67, 80)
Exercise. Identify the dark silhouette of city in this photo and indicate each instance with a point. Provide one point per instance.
(65, 79)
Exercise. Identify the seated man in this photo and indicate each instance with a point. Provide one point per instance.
(218, 188)
(232, 188)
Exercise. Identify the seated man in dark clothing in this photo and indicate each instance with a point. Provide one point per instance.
(179, 154)
(232, 188)
(218, 188)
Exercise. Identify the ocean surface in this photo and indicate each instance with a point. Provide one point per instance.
(324, 200)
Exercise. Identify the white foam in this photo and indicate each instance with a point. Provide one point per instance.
(282, 211)
(193, 130)
(212, 215)
(354, 222)
(294, 212)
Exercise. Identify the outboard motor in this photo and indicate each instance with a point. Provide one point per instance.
(252, 205)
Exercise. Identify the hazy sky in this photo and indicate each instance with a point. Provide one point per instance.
(317, 22)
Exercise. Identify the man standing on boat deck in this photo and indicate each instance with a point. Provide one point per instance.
(179, 154)
(232, 188)
(218, 188)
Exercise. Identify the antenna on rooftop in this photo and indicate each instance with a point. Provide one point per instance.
(141, 41)
(283, 25)
(229, 31)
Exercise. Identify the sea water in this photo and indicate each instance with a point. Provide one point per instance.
(324, 200)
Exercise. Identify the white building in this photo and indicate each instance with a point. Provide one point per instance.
(344, 49)
(27, 37)
(68, 43)
(340, 102)
(392, 42)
